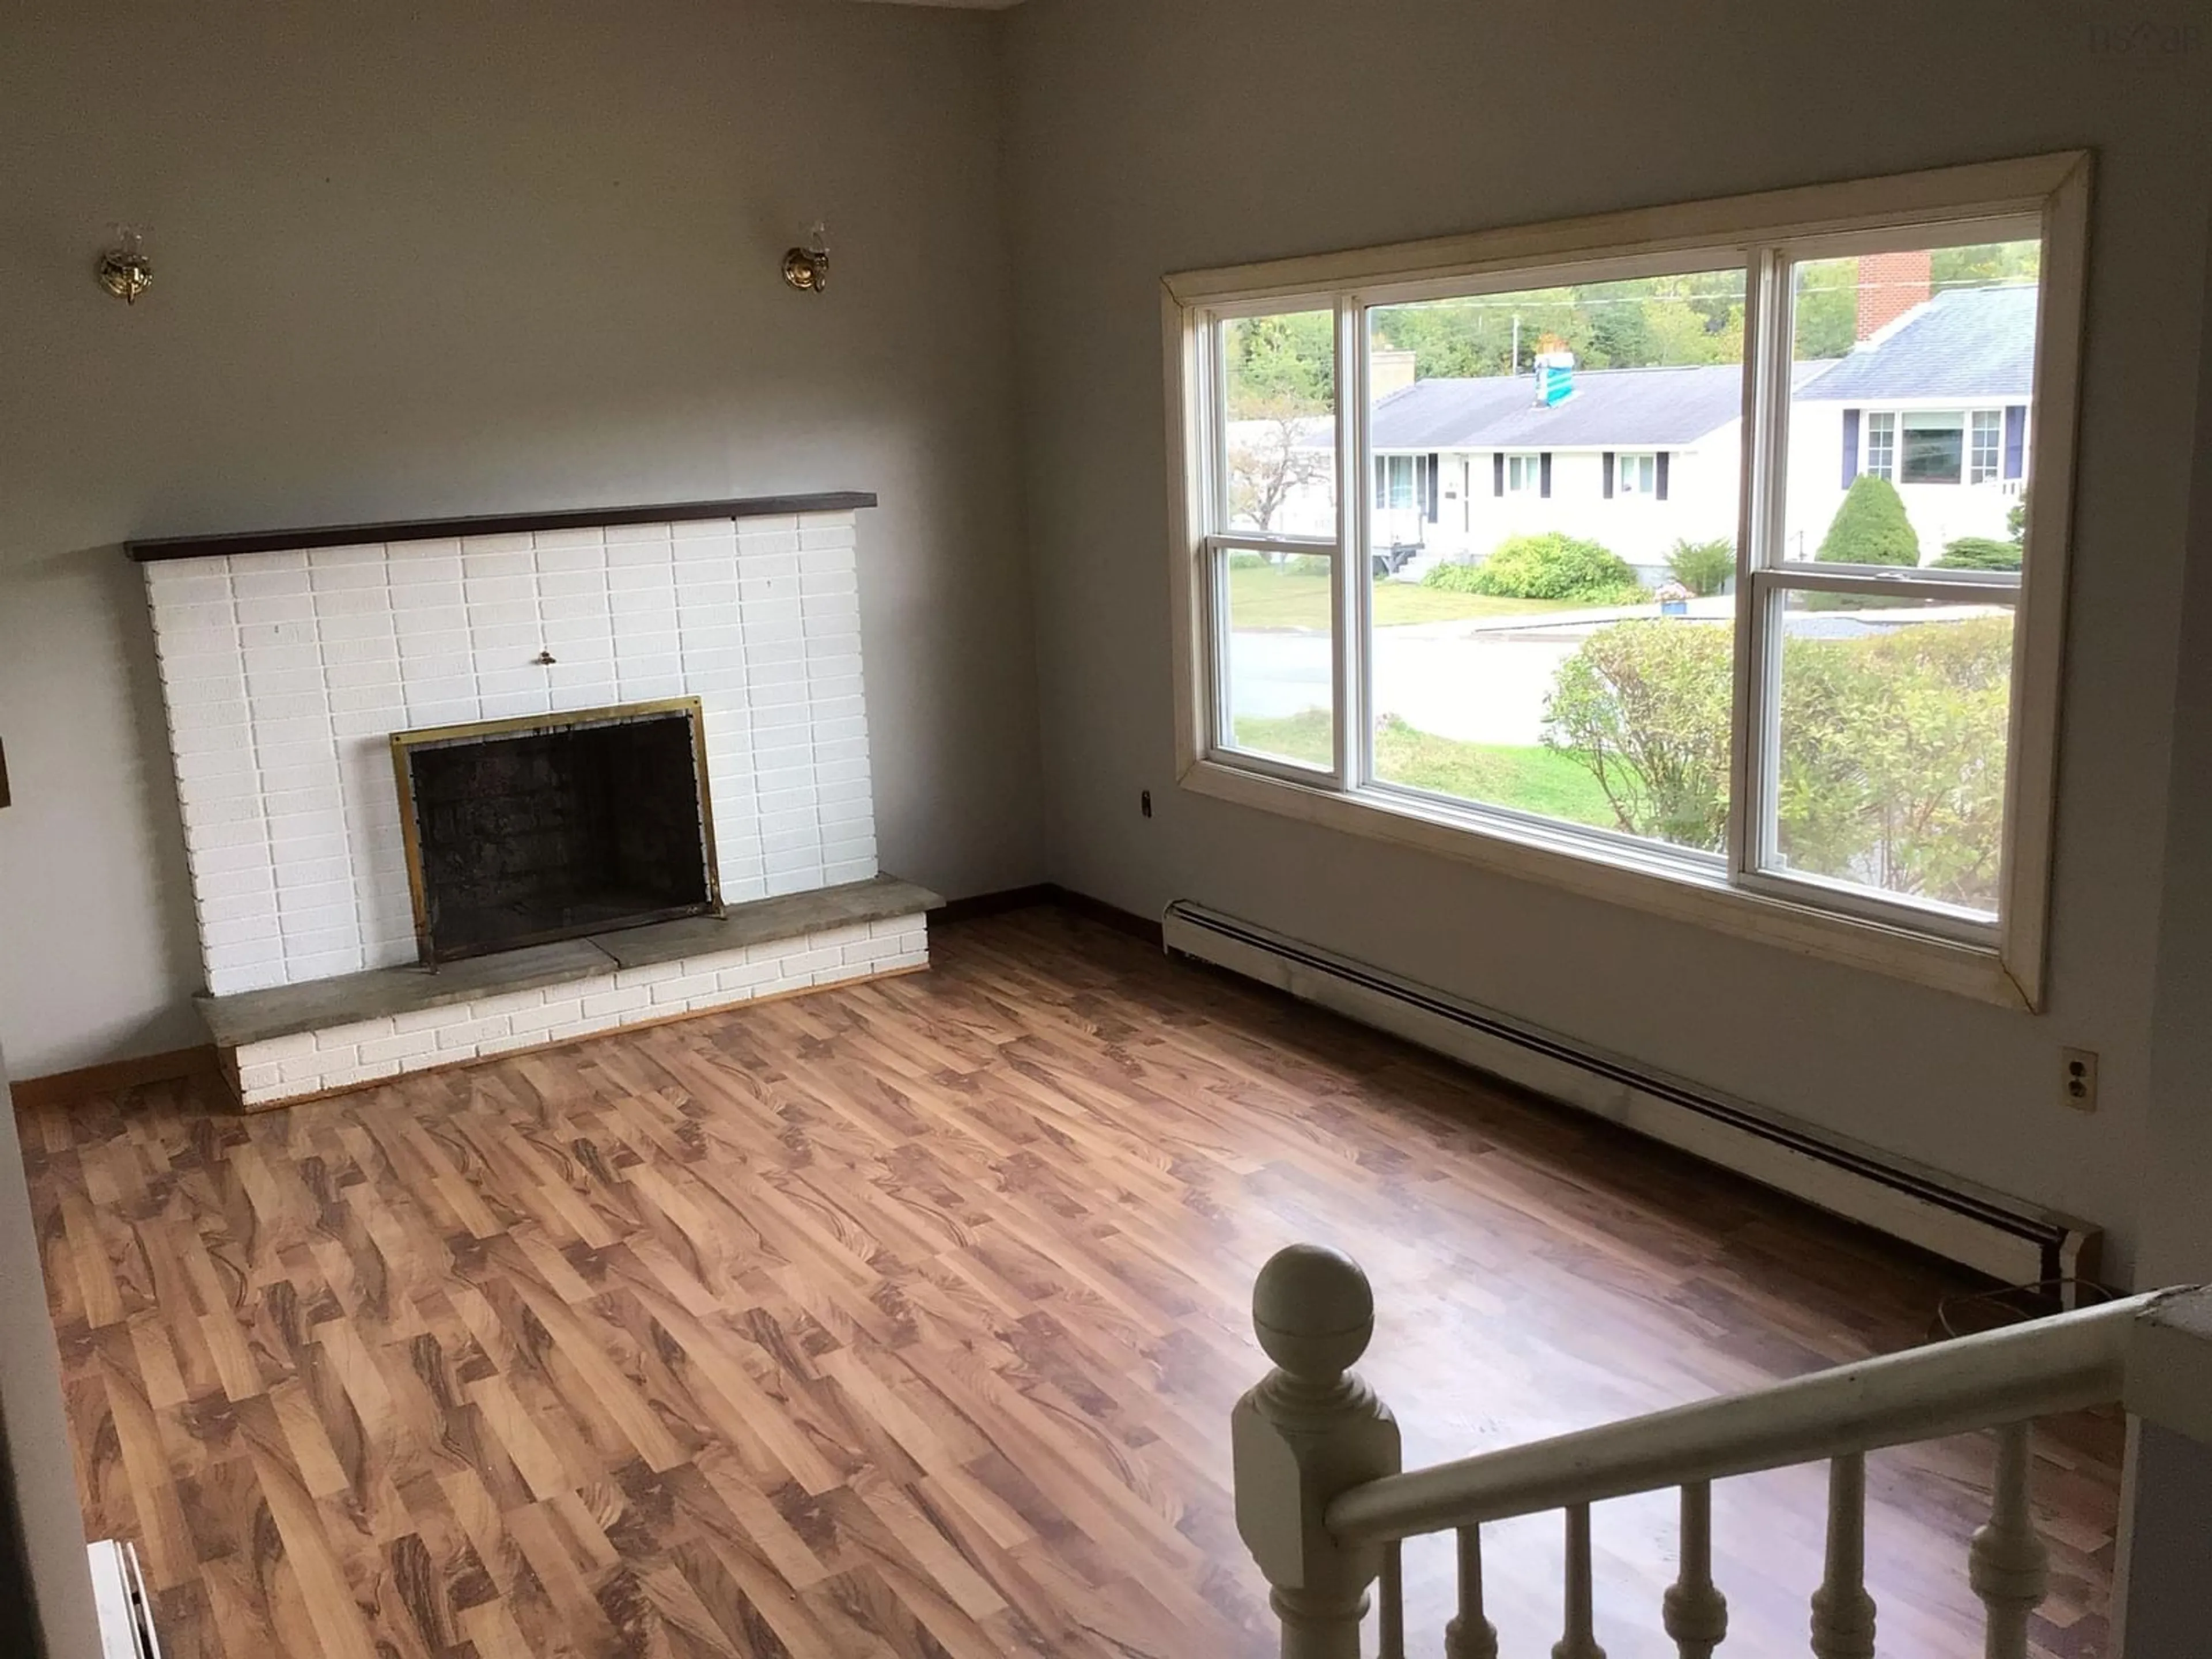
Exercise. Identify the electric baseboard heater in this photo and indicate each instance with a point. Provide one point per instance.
(2005, 1238)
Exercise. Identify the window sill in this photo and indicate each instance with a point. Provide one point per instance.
(1648, 885)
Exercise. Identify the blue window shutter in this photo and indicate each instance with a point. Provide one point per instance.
(1497, 473)
(1544, 474)
(1605, 469)
(1660, 490)
(2015, 439)
(1850, 446)
(1381, 486)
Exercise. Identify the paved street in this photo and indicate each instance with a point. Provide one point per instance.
(1451, 679)
(1479, 681)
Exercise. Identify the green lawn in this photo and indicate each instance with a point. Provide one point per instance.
(1535, 780)
(1269, 596)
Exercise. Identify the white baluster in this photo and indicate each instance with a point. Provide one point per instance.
(1310, 1431)
(1470, 1635)
(2008, 1564)
(1695, 1613)
(1392, 1595)
(1843, 1612)
(1580, 1641)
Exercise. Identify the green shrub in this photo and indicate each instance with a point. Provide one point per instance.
(2016, 521)
(1979, 553)
(1870, 527)
(1892, 763)
(1306, 564)
(1247, 561)
(1551, 566)
(1644, 705)
(1703, 568)
(1451, 578)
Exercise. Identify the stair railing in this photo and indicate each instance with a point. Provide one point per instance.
(1323, 1503)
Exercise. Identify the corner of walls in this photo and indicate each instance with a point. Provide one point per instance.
(97, 938)
(2177, 1148)
(1129, 164)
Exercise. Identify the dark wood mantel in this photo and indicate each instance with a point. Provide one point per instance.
(492, 524)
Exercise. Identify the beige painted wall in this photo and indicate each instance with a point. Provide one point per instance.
(1151, 136)
(419, 260)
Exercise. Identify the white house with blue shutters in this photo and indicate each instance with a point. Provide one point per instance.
(1635, 458)
(1632, 459)
(1936, 402)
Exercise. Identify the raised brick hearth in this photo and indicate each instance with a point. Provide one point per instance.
(285, 670)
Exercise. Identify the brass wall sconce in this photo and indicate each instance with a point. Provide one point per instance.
(124, 270)
(807, 269)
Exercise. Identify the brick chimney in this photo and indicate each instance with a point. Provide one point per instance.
(1891, 284)
(1388, 371)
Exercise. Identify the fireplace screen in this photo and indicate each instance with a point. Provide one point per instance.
(522, 832)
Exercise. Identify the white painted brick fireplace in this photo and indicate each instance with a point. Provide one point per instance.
(285, 671)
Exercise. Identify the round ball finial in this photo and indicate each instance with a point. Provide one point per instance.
(1313, 1311)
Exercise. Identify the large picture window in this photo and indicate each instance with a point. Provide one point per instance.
(1807, 690)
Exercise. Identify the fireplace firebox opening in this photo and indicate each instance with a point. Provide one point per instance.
(523, 832)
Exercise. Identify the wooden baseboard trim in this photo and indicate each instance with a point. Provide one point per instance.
(977, 905)
(1048, 892)
(689, 1014)
(1110, 915)
(66, 1088)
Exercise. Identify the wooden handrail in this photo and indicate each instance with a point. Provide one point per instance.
(1323, 1503)
(2057, 1364)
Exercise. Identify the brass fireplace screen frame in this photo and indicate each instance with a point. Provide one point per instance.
(404, 743)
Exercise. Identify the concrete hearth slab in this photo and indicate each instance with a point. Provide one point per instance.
(767, 919)
(251, 1017)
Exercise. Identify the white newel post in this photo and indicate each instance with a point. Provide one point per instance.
(1308, 1432)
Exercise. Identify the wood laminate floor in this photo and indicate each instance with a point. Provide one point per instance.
(906, 1319)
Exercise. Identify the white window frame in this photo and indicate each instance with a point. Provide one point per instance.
(1932, 420)
(1642, 461)
(1524, 473)
(1390, 465)
(1980, 421)
(1884, 422)
(2045, 196)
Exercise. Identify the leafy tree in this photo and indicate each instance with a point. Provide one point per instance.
(1985, 264)
(2016, 521)
(1275, 363)
(1550, 566)
(1827, 309)
(1644, 705)
(1891, 761)
(1631, 324)
(1269, 466)
(1683, 331)
(1703, 568)
(1892, 757)
(1472, 339)
(1620, 337)
(1870, 527)
(1979, 553)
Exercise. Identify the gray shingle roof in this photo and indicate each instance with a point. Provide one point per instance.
(1964, 343)
(1611, 409)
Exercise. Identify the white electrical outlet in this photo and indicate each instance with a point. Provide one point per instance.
(2078, 1077)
